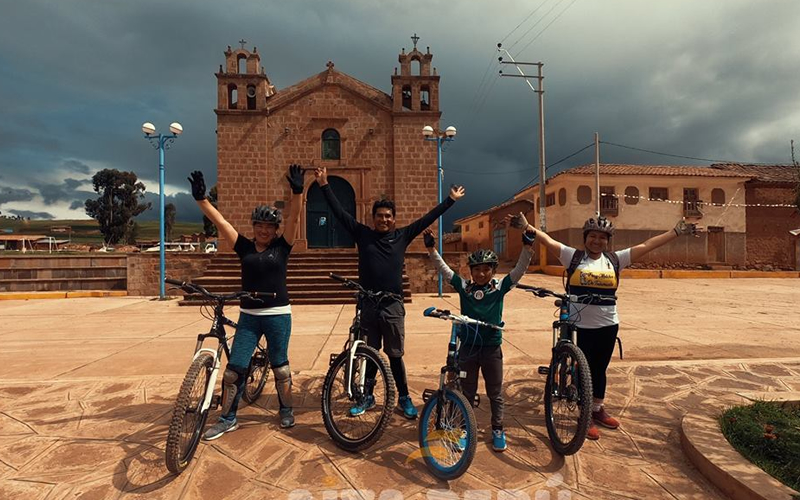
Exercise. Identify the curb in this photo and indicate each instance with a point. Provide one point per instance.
(708, 450)
(77, 294)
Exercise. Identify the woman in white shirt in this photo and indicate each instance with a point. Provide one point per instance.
(596, 270)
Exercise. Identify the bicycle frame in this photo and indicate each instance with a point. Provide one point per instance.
(354, 340)
(216, 331)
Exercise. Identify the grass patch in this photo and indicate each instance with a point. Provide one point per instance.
(767, 434)
(87, 231)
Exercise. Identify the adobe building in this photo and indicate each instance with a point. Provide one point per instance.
(746, 210)
(370, 141)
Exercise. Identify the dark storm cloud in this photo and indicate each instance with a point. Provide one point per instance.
(28, 214)
(712, 79)
(11, 194)
(66, 191)
(186, 209)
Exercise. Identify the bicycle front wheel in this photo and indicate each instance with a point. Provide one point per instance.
(258, 372)
(357, 420)
(568, 399)
(448, 437)
(188, 419)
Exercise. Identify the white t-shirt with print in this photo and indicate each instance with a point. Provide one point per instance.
(594, 270)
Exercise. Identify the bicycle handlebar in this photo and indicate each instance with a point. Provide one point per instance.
(446, 315)
(354, 285)
(544, 292)
(193, 288)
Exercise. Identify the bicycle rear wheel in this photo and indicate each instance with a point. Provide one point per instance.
(448, 441)
(349, 432)
(568, 399)
(258, 372)
(188, 419)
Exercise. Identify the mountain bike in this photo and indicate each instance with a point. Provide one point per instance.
(358, 378)
(196, 396)
(447, 430)
(568, 389)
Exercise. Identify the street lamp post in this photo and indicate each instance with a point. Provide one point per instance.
(161, 142)
(448, 135)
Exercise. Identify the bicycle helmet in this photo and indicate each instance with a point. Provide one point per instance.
(482, 257)
(264, 213)
(601, 224)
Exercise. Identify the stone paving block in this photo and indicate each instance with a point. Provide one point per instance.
(11, 488)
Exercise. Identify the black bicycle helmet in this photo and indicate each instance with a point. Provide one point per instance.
(264, 213)
(600, 224)
(482, 257)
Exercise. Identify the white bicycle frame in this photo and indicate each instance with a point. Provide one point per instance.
(212, 378)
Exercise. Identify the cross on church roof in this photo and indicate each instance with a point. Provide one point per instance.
(415, 39)
(242, 42)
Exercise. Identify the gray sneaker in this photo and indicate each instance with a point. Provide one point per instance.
(217, 430)
(287, 418)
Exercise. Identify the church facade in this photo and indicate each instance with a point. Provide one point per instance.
(371, 143)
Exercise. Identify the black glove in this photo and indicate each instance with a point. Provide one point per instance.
(295, 178)
(429, 240)
(198, 185)
(528, 238)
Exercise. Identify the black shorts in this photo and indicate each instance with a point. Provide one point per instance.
(384, 325)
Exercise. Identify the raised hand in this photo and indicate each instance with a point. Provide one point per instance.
(457, 192)
(428, 239)
(198, 185)
(683, 227)
(295, 178)
(321, 174)
(518, 221)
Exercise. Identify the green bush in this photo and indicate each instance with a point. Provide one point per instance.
(767, 434)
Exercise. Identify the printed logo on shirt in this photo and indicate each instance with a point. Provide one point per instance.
(595, 279)
(478, 294)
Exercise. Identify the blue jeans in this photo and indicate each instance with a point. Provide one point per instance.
(277, 329)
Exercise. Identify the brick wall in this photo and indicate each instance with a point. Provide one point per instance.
(768, 238)
(423, 275)
(143, 271)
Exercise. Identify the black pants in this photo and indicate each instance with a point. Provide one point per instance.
(598, 346)
(384, 325)
(489, 360)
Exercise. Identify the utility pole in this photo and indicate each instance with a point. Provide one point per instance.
(597, 170)
(542, 175)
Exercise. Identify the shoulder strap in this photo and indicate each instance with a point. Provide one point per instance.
(614, 258)
(577, 257)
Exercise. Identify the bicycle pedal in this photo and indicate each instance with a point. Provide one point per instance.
(476, 402)
(427, 394)
(216, 400)
(333, 358)
(544, 370)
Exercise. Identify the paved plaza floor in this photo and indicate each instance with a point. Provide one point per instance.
(87, 387)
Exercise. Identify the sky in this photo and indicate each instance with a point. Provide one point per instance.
(711, 79)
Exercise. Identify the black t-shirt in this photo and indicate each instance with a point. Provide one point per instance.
(264, 271)
(381, 255)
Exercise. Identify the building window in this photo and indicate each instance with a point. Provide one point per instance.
(425, 98)
(466, 228)
(251, 97)
(631, 195)
(331, 147)
(562, 197)
(550, 200)
(499, 240)
(691, 203)
(718, 196)
(233, 96)
(480, 225)
(406, 95)
(584, 195)
(609, 204)
(659, 194)
(241, 62)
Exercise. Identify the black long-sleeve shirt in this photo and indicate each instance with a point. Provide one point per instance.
(381, 255)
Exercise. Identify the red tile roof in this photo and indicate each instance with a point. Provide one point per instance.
(763, 173)
(666, 170)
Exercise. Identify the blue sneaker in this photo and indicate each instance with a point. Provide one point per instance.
(499, 440)
(405, 404)
(367, 403)
(217, 430)
(461, 444)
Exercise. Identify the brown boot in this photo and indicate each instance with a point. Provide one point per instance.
(604, 419)
(593, 433)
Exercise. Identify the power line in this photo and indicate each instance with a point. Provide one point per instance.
(523, 21)
(545, 28)
(682, 156)
(536, 24)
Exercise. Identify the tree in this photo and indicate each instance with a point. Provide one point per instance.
(208, 227)
(117, 204)
(169, 219)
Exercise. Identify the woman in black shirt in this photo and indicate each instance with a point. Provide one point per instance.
(264, 260)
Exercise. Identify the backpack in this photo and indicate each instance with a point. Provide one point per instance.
(577, 257)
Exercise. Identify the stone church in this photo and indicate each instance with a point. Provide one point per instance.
(371, 143)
